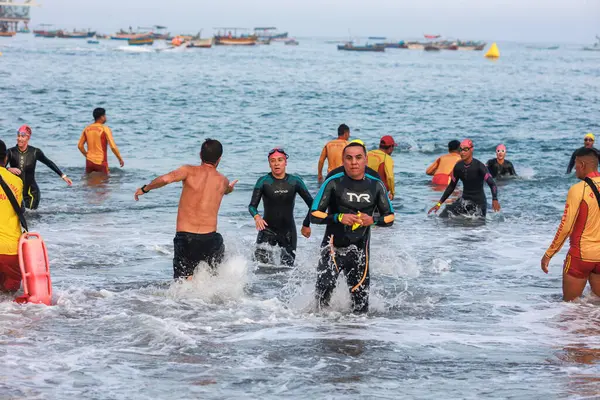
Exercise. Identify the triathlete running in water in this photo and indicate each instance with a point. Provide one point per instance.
(22, 160)
(197, 239)
(441, 169)
(277, 228)
(588, 143)
(345, 203)
(332, 152)
(580, 223)
(381, 161)
(97, 136)
(472, 173)
(500, 166)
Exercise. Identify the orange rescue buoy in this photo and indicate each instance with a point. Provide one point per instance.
(35, 270)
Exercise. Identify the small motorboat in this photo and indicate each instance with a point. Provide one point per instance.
(145, 41)
(93, 41)
(431, 48)
(291, 42)
(369, 47)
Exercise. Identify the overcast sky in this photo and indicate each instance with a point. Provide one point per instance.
(575, 21)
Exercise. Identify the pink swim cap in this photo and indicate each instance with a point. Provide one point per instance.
(25, 129)
(501, 147)
(466, 143)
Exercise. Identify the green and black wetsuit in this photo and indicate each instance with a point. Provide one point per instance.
(279, 197)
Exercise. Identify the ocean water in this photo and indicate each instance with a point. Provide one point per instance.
(459, 310)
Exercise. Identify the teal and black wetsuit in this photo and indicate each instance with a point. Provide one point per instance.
(26, 161)
(279, 196)
(344, 248)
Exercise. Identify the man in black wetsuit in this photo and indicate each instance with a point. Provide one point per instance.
(472, 173)
(500, 166)
(22, 159)
(588, 143)
(278, 228)
(346, 203)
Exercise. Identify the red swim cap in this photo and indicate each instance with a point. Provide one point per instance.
(466, 143)
(501, 147)
(25, 129)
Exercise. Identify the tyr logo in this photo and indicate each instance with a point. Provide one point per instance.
(359, 198)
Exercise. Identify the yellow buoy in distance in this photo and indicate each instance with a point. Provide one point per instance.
(493, 52)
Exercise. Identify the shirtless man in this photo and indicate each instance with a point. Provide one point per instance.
(197, 239)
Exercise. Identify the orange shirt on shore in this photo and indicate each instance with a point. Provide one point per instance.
(97, 137)
(333, 151)
(580, 222)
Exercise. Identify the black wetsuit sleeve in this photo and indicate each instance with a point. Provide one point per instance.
(511, 169)
(255, 200)
(490, 181)
(451, 185)
(41, 157)
(571, 163)
(308, 199)
(318, 211)
(386, 210)
(491, 168)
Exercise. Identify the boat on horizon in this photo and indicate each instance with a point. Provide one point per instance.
(393, 45)
(349, 46)
(269, 33)
(377, 38)
(595, 47)
(142, 41)
(7, 34)
(198, 42)
(225, 37)
(291, 42)
(74, 35)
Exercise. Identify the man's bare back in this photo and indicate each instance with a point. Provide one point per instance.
(203, 191)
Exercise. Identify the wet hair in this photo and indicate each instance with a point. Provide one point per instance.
(453, 145)
(590, 153)
(211, 151)
(2, 153)
(355, 144)
(98, 113)
(343, 128)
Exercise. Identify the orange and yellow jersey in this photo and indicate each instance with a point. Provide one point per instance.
(97, 137)
(444, 164)
(10, 227)
(383, 163)
(333, 151)
(580, 222)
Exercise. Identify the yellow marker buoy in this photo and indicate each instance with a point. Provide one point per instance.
(493, 52)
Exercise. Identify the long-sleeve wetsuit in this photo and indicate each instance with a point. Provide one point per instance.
(473, 200)
(499, 170)
(343, 247)
(279, 197)
(26, 162)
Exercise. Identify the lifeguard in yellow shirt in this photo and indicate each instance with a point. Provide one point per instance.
(580, 223)
(381, 161)
(97, 136)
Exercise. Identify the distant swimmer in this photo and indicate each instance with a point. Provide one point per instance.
(441, 169)
(197, 239)
(23, 159)
(500, 166)
(10, 228)
(332, 152)
(278, 190)
(473, 174)
(381, 161)
(581, 223)
(97, 136)
(346, 203)
(588, 143)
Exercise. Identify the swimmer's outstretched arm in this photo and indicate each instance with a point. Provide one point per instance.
(433, 167)
(492, 184)
(175, 176)
(302, 190)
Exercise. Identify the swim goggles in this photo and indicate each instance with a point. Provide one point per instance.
(278, 150)
(501, 151)
(465, 149)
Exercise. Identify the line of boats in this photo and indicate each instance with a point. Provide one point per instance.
(426, 46)
(147, 36)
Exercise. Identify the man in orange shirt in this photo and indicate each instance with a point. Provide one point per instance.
(333, 151)
(97, 136)
(580, 222)
(10, 228)
(441, 169)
